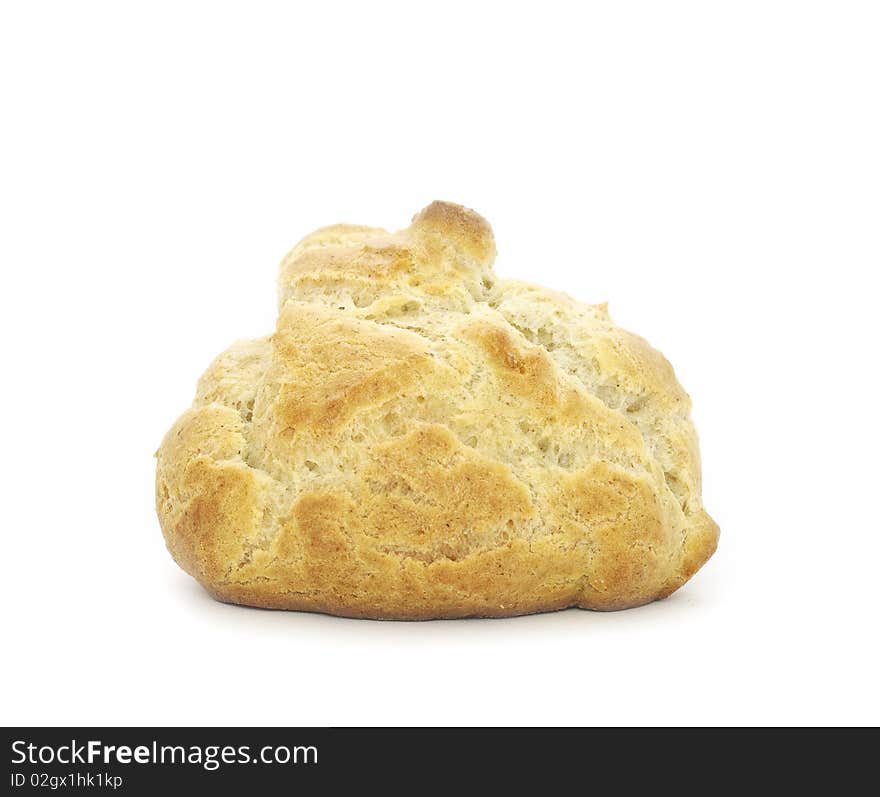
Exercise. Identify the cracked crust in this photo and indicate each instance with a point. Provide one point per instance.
(418, 439)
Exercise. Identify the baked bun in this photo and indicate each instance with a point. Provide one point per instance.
(419, 439)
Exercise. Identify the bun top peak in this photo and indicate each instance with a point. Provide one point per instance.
(447, 251)
(459, 227)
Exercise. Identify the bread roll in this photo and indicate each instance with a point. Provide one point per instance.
(419, 439)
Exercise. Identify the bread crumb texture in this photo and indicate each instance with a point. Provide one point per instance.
(419, 439)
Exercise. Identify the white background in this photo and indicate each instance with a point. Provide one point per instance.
(711, 169)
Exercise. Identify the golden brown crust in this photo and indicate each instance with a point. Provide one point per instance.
(418, 439)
